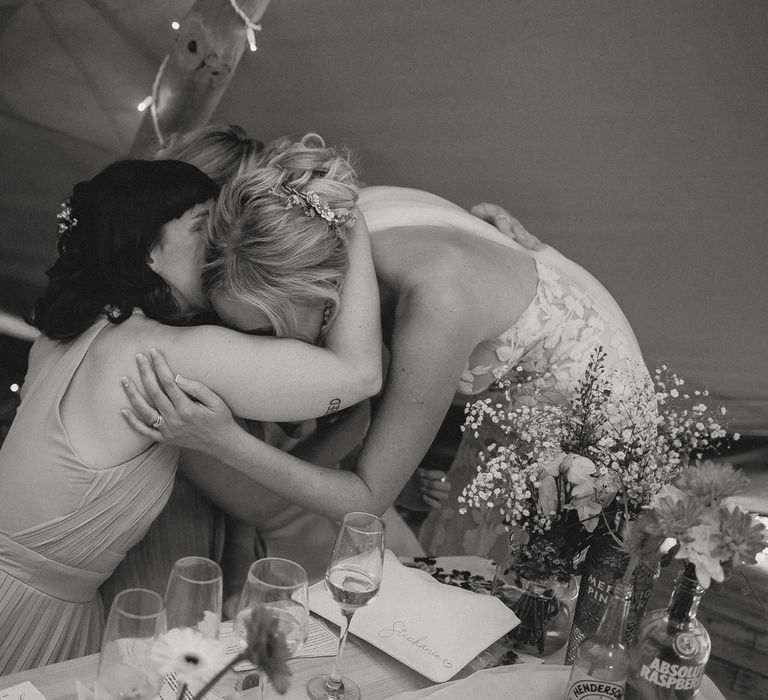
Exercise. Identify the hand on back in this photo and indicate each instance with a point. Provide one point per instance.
(178, 411)
(507, 224)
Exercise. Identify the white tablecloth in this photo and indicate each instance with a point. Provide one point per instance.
(532, 682)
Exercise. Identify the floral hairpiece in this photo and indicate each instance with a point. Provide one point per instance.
(64, 218)
(312, 205)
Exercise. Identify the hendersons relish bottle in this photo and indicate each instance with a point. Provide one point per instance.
(671, 650)
(599, 670)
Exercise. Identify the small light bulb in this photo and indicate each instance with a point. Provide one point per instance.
(175, 26)
(249, 34)
(14, 388)
(144, 103)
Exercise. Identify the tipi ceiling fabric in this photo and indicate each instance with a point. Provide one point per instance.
(631, 136)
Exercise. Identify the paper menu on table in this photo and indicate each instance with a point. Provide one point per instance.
(21, 691)
(433, 628)
(320, 642)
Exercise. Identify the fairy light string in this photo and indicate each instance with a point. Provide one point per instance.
(151, 100)
(250, 27)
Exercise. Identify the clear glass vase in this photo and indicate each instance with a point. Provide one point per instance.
(545, 608)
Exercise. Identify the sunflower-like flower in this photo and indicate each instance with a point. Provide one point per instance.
(740, 538)
(194, 658)
(676, 518)
(711, 482)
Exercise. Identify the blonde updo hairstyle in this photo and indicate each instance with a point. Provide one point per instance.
(275, 258)
(221, 151)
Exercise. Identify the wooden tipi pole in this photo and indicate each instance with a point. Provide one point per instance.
(194, 75)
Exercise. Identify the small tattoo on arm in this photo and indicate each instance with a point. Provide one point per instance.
(333, 406)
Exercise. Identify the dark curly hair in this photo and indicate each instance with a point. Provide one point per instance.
(103, 255)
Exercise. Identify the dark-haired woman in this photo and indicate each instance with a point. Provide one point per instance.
(79, 486)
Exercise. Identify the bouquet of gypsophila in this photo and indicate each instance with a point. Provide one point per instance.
(559, 470)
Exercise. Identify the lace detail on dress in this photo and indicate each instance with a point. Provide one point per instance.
(566, 320)
(561, 327)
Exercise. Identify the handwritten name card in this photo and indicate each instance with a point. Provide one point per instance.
(433, 628)
(22, 691)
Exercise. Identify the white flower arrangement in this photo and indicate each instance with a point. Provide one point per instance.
(559, 471)
(698, 512)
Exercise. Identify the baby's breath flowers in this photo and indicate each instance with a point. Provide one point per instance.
(559, 470)
(200, 662)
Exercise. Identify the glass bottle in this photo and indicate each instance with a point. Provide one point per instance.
(672, 647)
(606, 562)
(599, 671)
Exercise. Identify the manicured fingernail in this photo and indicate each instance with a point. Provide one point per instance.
(124, 381)
(140, 356)
(124, 412)
(153, 352)
(178, 378)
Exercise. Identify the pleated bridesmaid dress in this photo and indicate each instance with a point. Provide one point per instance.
(64, 525)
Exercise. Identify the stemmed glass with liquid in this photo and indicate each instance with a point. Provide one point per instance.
(280, 585)
(136, 619)
(193, 597)
(353, 578)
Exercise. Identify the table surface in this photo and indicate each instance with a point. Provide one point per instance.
(378, 675)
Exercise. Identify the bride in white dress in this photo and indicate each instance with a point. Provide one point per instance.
(462, 305)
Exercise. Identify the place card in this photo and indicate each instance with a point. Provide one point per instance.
(434, 628)
(21, 691)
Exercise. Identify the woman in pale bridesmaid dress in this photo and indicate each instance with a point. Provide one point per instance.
(79, 486)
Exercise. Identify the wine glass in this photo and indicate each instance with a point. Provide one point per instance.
(280, 585)
(136, 619)
(353, 578)
(193, 597)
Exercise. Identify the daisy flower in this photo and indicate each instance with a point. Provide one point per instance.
(194, 658)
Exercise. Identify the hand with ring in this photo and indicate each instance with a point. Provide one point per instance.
(177, 411)
(507, 224)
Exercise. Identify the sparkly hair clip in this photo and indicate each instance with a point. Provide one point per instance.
(66, 222)
(312, 205)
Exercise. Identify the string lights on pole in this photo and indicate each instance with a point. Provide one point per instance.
(250, 27)
(151, 100)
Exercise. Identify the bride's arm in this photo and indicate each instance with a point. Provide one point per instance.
(284, 379)
(432, 339)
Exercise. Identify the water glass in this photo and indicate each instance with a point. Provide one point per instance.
(280, 586)
(193, 597)
(136, 619)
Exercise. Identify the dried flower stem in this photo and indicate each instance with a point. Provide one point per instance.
(755, 596)
(242, 656)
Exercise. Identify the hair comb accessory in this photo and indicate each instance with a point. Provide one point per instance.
(65, 219)
(313, 205)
